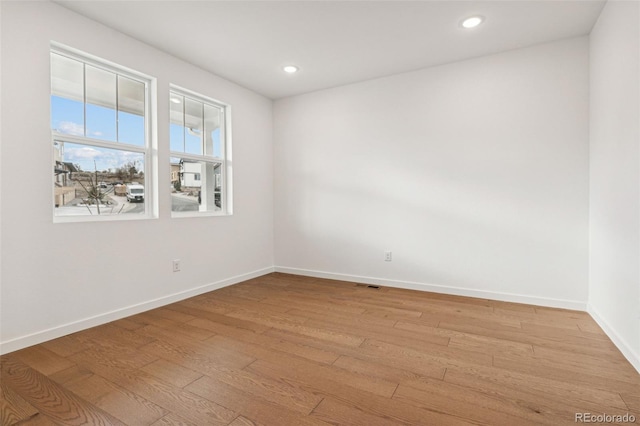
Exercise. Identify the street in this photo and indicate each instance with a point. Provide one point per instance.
(183, 203)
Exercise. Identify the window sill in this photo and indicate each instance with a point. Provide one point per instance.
(179, 215)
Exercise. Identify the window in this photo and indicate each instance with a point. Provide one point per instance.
(200, 147)
(101, 142)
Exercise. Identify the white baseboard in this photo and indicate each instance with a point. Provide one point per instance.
(632, 356)
(83, 324)
(457, 291)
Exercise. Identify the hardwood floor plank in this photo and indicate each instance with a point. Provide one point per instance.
(170, 314)
(233, 303)
(387, 334)
(314, 352)
(544, 368)
(561, 313)
(118, 355)
(573, 335)
(172, 373)
(632, 400)
(267, 318)
(613, 367)
(128, 324)
(373, 368)
(248, 405)
(336, 413)
(173, 419)
(226, 320)
(428, 354)
(215, 305)
(557, 340)
(185, 332)
(299, 350)
(421, 304)
(515, 307)
(468, 341)
(39, 420)
(319, 306)
(276, 391)
(13, 408)
(588, 325)
(70, 375)
(117, 336)
(469, 405)
(427, 369)
(198, 356)
(131, 408)
(539, 393)
(243, 421)
(66, 345)
(321, 333)
(357, 319)
(50, 399)
(91, 388)
(488, 322)
(43, 360)
(371, 384)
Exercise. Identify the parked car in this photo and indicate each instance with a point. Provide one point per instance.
(135, 192)
(103, 185)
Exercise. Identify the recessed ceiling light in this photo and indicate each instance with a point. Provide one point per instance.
(175, 100)
(472, 21)
(290, 69)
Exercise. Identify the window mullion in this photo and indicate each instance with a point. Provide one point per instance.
(184, 124)
(195, 157)
(202, 135)
(118, 111)
(62, 137)
(84, 99)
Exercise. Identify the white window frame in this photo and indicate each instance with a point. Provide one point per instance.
(149, 150)
(226, 196)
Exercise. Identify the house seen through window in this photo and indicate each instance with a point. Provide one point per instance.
(101, 149)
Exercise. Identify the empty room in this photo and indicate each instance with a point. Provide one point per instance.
(319, 212)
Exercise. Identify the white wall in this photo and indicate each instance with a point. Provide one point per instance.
(614, 286)
(475, 175)
(58, 278)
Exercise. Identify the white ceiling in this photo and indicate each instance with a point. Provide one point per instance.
(334, 42)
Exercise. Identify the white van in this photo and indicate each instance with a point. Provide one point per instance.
(135, 192)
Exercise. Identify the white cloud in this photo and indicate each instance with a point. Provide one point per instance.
(71, 128)
(83, 153)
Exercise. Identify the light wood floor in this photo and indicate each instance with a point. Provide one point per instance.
(288, 350)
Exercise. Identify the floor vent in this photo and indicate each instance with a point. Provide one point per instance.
(368, 286)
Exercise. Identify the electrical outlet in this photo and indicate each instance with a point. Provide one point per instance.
(387, 256)
(176, 265)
